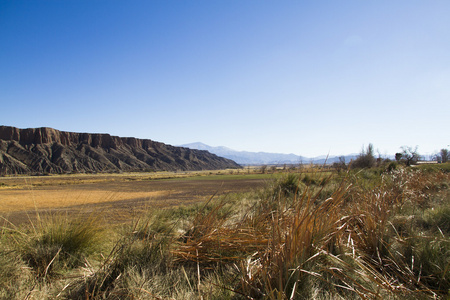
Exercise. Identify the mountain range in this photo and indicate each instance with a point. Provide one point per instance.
(47, 150)
(265, 158)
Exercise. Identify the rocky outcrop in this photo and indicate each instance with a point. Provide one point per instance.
(47, 150)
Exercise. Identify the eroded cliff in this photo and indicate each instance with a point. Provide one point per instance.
(47, 150)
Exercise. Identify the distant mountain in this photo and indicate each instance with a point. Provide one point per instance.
(47, 150)
(248, 158)
(320, 160)
(264, 158)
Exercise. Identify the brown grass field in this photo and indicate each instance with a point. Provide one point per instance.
(118, 195)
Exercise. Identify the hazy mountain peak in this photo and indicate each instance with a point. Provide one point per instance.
(261, 158)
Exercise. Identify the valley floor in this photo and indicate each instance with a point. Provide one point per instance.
(118, 195)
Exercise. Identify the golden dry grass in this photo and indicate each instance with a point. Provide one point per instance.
(17, 200)
(122, 196)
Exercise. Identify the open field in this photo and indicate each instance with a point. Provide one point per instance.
(120, 195)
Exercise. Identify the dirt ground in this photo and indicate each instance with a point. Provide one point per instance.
(116, 198)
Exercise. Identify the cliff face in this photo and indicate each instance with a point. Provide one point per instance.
(47, 150)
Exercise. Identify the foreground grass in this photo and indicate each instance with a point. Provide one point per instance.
(365, 234)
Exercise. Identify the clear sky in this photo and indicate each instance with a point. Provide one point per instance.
(303, 77)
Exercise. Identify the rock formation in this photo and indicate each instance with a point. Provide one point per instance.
(46, 150)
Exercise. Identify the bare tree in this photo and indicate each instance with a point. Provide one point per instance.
(263, 169)
(410, 155)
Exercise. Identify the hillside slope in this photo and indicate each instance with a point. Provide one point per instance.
(47, 150)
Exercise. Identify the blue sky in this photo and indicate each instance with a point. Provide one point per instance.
(303, 77)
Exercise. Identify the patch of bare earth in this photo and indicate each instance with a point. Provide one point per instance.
(114, 198)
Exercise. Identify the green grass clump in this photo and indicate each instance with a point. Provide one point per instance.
(56, 243)
(139, 254)
(287, 185)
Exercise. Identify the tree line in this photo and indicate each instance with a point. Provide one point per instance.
(408, 156)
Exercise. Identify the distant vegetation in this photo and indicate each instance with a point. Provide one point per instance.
(408, 157)
(376, 231)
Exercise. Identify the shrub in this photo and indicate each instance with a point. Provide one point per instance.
(288, 185)
(392, 166)
(366, 158)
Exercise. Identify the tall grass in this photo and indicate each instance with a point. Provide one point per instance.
(53, 244)
(345, 242)
(15, 276)
(364, 234)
